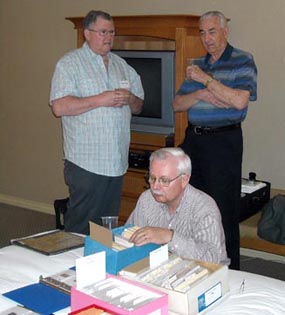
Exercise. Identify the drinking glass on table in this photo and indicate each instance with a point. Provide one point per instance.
(110, 222)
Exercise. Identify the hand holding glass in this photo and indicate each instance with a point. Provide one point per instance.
(198, 62)
(190, 62)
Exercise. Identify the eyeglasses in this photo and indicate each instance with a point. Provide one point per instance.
(163, 181)
(103, 32)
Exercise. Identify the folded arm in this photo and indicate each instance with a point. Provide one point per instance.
(215, 93)
(72, 105)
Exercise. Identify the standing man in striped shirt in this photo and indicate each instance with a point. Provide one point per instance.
(215, 94)
(95, 93)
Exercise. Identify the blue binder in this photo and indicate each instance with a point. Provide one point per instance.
(40, 298)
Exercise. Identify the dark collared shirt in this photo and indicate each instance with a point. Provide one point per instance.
(235, 69)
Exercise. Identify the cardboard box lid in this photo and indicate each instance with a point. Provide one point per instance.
(100, 239)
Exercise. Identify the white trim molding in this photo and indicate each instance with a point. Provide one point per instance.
(27, 204)
(263, 255)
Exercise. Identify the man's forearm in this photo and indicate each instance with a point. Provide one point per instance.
(182, 103)
(136, 104)
(71, 105)
(232, 98)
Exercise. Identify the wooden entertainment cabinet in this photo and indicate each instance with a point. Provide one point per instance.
(179, 33)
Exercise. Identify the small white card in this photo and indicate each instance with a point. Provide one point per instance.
(124, 84)
(158, 256)
(90, 269)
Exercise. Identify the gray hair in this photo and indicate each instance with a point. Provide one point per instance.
(92, 17)
(210, 14)
(184, 163)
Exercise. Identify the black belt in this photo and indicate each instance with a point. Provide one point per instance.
(202, 130)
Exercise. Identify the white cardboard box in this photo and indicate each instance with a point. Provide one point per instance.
(204, 295)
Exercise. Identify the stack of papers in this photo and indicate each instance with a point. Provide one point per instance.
(249, 186)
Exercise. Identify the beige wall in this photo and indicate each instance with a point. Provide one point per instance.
(34, 34)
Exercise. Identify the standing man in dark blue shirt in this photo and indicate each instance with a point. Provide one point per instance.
(215, 94)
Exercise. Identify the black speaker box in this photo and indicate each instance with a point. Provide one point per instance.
(253, 202)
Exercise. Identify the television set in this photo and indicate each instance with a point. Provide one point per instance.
(157, 72)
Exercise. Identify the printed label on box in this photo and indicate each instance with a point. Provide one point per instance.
(209, 297)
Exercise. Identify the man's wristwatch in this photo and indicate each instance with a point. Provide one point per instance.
(208, 82)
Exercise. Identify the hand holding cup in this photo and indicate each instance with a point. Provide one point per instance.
(190, 62)
(193, 70)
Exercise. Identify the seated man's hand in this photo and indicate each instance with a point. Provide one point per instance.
(149, 234)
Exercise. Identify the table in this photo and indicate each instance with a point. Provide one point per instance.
(250, 294)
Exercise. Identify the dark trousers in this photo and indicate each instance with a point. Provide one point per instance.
(90, 197)
(216, 169)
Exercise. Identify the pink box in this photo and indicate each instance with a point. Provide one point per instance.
(80, 299)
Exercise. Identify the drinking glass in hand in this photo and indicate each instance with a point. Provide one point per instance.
(194, 62)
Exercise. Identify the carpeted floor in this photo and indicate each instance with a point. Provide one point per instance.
(18, 222)
(263, 267)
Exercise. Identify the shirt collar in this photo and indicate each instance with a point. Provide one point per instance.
(225, 55)
(91, 52)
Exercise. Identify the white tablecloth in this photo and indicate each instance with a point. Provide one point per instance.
(260, 295)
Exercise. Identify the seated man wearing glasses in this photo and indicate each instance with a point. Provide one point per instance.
(174, 212)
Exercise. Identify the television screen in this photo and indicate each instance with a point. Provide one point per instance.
(151, 81)
(156, 69)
